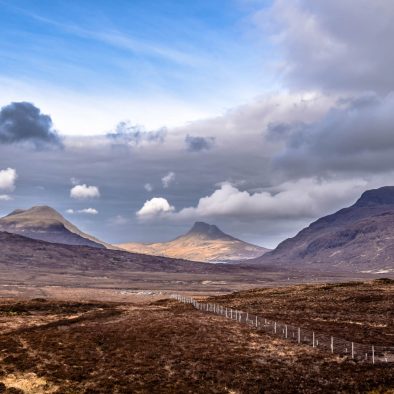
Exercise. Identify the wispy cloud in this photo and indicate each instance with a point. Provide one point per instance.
(168, 179)
(121, 40)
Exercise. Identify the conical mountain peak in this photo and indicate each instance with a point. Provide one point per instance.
(203, 242)
(209, 231)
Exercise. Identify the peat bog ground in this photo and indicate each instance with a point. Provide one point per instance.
(163, 347)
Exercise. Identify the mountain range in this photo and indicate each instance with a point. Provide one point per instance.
(21, 252)
(203, 242)
(360, 237)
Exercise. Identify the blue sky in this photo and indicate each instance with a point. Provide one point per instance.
(157, 63)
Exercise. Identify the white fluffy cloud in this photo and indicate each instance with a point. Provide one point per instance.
(155, 207)
(5, 197)
(81, 192)
(305, 198)
(7, 179)
(89, 211)
(168, 179)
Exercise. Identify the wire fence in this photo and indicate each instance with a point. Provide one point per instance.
(357, 351)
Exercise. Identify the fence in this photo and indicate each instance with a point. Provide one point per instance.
(342, 347)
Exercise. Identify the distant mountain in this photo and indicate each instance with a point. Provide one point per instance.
(204, 242)
(46, 224)
(360, 237)
(32, 255)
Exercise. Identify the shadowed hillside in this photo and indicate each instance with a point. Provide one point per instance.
(360, 237)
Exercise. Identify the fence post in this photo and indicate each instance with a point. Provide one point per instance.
(286, 331)
(256, 322)
(275, 327)
(313, 339)
(373, 354)
(332, 344)
(352, 349)
(299, 335)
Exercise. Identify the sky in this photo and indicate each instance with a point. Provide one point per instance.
(134, 119)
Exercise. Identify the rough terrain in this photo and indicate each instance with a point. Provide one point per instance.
(163, 346)
(357, 311)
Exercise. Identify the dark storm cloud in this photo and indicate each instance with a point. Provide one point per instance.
(357, 135)
(134, 135)
(336, 45)
(24, 123)
(198, 144)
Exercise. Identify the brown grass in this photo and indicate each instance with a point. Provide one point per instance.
(166, 347)
(357, 311)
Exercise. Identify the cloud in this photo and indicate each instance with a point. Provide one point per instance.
(168, 179)
(355, 135)
(5, 197)
(279, 131)
(305, 198)
(74, 181)
(148, 187)
(136, 135)
(333, 45)
(81, 192)
(198, 144)
(157, 206)
(24, 123)
(89, 211)
(7, 179)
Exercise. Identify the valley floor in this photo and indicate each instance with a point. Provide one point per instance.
(158, 345)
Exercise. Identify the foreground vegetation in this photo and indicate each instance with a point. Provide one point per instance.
(161, 347)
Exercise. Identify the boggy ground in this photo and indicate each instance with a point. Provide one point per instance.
(357, 311)
(161, 347)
